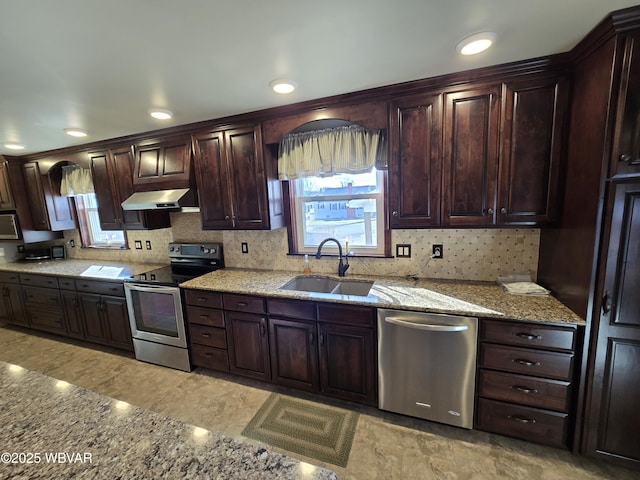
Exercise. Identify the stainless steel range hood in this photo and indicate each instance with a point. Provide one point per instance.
(159, 200)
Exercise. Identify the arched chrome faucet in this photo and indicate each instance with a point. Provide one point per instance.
(343, 266)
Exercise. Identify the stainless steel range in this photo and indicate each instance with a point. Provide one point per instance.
(155, 306)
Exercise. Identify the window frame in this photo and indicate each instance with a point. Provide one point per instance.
(84, 227)
(295, 221)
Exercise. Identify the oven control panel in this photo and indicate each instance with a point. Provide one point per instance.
(208, 251)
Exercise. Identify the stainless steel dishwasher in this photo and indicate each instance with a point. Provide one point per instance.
(427, 365)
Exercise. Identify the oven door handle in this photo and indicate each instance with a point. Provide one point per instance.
(149, 288)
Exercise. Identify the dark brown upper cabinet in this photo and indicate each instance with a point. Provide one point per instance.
(163, 163)
(237, 183)
(533, 132)
(49, 210)
(6, 195)
(626, 146)
(112, 172)
(470, 167)
(415, 163)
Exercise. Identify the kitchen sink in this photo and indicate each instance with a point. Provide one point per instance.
(306, 283)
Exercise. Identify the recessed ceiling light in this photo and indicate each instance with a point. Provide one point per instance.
(283, 85)
(75, 132)
(14, 146)
(160, 113)
(476, 43)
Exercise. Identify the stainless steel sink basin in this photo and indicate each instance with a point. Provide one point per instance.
(328, 285)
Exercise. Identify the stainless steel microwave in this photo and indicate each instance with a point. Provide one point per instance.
(9, 229)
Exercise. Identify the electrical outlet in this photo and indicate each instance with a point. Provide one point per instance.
(437, 251)
(403, 250)
(138, 244)
(1, 252)
(148, 244)
(72, 244)
(245, 247)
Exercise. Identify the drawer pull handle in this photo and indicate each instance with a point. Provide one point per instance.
(208, 355)
(202, 299)
(527, 363)
(242, 304)
(528, 336)
(521, 419)
(204, 316)
(520, 388)
(205, 335)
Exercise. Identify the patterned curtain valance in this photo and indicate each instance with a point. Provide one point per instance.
(347, 149)
(75, 181)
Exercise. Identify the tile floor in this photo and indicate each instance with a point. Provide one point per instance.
(386, 446)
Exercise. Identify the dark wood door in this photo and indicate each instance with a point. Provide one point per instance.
(471, 138)
(13, 304)
(35, 196)
(6, 196)
(415, 161)
(94, 328)
(166, 162)
(248, 344)
(212, 180)
(72, 314)
(106, 194)
(535, 112)
(116, 317)
(626, 149)
(248, 180)
(294, 353)
(347, 362)
(612, 416)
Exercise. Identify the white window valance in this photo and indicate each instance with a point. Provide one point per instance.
(75, 181)
(346, 149)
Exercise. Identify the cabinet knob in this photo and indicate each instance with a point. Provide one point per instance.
(490, 211)
(625, 157)
(503, 210)
(226, 217)
(395, 213)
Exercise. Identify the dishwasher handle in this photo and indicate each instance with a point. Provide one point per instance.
(426, 326)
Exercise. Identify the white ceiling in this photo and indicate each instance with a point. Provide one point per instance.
(100, 65)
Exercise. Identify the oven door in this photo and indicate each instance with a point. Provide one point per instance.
(155, 313)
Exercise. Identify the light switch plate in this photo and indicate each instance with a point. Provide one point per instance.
(138, 244)
(245, 247)
(403, 250)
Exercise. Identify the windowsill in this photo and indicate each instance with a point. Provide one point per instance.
(105, 247)
(352, 255)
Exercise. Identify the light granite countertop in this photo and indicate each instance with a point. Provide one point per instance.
(75, 268)
(52, 429)
(482, 299)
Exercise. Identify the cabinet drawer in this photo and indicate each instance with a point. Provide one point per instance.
(50, 320)
(47, 298)
(528, 423)
(100, 288)
(9, 277)
(39, 280)
(527, 361)
(243, 303)
(535, 392)
(528, 334)
(292, 308)
(203, 298)
(67, 283)
(346, 314)
(209, 336)
(209, 357)
(205, 316)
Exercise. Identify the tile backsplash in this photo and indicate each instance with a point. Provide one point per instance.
(469, 254)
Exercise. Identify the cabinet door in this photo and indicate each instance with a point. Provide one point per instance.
(471, 134)
(36, 197)
(213, 181)
(248, 180)
(626, 147)
(612, 415)
(94, 328)
(248, 344)
(106, 194)
(13, 303)
(116, 317)
(167, 162)
(531, 151)
(6, 196)
(294, 354)
(415, 164)
(72, 314)
(347, 362)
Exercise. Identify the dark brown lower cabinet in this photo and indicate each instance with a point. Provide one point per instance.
(43, 308)
(73, 314)
(294, 353)
(11, 303)
(526, 378)
(248, 344)
(106, 320)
